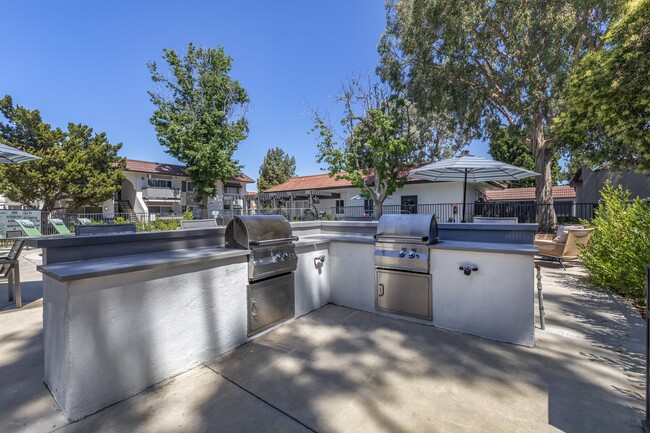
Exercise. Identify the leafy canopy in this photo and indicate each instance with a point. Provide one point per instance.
(608, 98)
(200, 114)
(507, 146)
(78, 165)
(276, 168)
(493, 64)
(380, 140)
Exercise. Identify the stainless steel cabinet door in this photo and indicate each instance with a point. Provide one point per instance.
(404, 293)
(270, 302)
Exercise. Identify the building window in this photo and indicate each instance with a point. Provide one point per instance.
(231, 189)
(409, 204)
(161, 210)
(368, 207)
(340, 206)
(159, 183)
(186, 186)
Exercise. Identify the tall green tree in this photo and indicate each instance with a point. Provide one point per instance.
(277, 167)
(78, 166)
(506, 145)
(494, 63)
(380, 142)
(200, 114)
(608, 98)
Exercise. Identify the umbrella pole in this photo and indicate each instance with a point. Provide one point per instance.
(464, 195)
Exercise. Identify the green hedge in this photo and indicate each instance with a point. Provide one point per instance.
(620, 247)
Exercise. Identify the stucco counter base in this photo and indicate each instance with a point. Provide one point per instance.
(109, 337)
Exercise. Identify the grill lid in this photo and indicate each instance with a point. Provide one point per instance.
(258, 230)
(407, 228)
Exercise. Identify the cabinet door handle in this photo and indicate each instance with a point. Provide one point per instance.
(381, 289)
(254, 308)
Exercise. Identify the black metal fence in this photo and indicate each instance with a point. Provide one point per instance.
(524, 211)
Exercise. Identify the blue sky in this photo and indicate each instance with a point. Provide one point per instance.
(85, 62)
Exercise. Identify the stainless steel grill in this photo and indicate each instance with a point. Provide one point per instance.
(402, 242)
(270, 267)
(402, 280)
(270, 239)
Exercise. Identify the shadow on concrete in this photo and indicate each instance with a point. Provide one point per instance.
(345, 370)
(340, 370)
(25, 402)
(31, 291)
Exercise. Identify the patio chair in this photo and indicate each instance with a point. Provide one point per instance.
(59, 226)
(29, 228)
(559, 248)
(84, 221)
(10, 269)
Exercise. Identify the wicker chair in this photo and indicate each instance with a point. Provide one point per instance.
(555, 251)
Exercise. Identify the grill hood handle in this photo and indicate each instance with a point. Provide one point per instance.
(273, 241)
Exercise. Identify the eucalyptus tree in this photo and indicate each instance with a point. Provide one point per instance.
(607, 120)
(494, 63)
(200, 114)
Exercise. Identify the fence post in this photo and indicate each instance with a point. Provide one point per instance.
(646, 421)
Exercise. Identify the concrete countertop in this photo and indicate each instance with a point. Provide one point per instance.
(316, 239)
(71, 271)
(486, 247)
(78, 241)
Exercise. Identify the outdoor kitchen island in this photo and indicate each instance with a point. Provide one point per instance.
(123, 312)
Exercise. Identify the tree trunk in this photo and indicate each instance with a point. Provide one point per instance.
(543, 156)
(379, 204)
(48, 205)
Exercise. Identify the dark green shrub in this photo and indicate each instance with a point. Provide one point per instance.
(620, 246)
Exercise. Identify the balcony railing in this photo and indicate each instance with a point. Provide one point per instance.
(158, 193)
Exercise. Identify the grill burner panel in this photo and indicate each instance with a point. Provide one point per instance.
(269, 261)
(409, 257)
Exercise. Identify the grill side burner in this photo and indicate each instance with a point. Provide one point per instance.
(402, 280)
(270, 267)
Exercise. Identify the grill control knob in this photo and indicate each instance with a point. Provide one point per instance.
(401, 253)
(285, 256)
(278, 257)
(411, 254)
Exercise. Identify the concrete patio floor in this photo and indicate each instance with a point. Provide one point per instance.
(342, 370)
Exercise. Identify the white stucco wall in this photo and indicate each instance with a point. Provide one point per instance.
(109, 338)
(427, 193)
(496, 302)
(312, 279)
(352, 278)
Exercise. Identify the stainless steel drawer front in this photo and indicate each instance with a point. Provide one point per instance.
(270, 302)
(404, 293)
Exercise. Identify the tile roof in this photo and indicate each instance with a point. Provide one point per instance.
(169, 169)
(325, 181)
(316, 181)
(564, 191)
